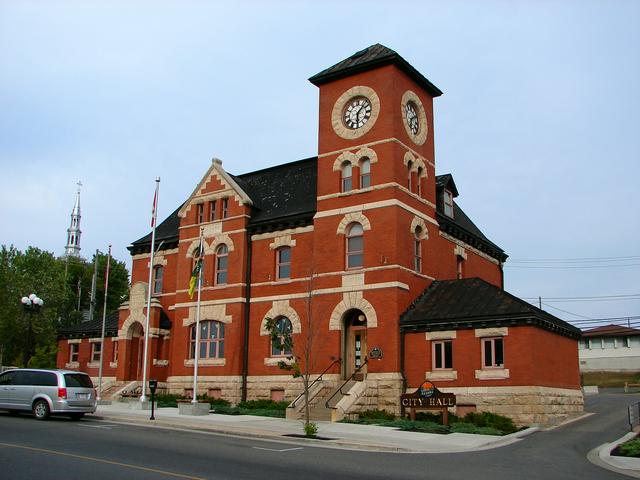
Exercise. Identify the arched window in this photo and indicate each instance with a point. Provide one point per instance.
(419, 181)
(355, 246)
(417, 249)
(365, 173)
(283, 263)
(222, 264)
(347, 181)
(409, 166)
(211, 340)
(158, 273)
(281, 344)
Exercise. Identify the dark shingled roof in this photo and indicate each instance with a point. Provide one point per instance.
(446, 181)
(611, 331)
(93, 329)
(283, 193)
(474, 303)
(373, 57)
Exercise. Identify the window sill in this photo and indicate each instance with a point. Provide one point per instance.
(441, 375)
(274, 361)
(163, 363)
(492, 374)
(93, 364)
(206, 362)
(113, 364)
(72, 365)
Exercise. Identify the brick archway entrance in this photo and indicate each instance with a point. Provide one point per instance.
(135, 352)
(354, 347)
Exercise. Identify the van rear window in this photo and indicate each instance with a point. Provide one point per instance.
(75, 380)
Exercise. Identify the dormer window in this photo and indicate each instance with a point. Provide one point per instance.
(448, 203)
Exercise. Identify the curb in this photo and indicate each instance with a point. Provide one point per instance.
(601, 456)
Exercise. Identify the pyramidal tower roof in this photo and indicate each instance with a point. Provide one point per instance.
(373, 57)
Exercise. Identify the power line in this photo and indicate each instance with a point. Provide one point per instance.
(575, 259)
(565, 267)
(632, 296)
(566, 311)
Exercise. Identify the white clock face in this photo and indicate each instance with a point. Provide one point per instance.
(357, 112)
(411, 112)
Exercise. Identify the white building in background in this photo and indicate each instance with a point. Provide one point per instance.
(72, 248)
(611, 348)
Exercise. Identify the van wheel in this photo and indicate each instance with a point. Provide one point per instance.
(41, 410)
(76, 416)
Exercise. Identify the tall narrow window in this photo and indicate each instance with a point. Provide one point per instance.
(222, 264)
(493, 352)
(365, 173)
(355, 246)
(96, 348)
(225, 208)
(448, 203)
(417, 250)
(281, 344)
(114, 356)
(409, 167)
(283, 263)
(74, 348)
(419, 182)
(212, 210)
(200, 215)
(443, 355)
(158, 273)
(211, 340)
(347, 177)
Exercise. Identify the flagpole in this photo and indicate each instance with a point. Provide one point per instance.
(154, 216)
(196, 350)
(104, 321)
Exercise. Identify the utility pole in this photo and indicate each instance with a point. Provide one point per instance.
(540, 302)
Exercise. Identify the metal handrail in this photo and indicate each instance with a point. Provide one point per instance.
(338, 361)
(326, 404)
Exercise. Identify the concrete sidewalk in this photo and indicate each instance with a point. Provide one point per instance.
(333, 435)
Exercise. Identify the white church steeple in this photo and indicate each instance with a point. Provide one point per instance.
(72, 249)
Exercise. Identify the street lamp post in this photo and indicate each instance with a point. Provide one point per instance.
(31, 304)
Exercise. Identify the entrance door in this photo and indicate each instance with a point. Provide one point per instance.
(136, 352)
(356, 349)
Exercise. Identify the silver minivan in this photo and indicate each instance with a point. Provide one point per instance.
(46, 392)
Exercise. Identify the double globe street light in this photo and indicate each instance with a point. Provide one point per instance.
(32, 305)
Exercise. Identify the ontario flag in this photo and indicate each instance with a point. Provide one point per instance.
(196, 271)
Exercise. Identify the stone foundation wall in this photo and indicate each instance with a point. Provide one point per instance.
(230, 386)
(382, 392)
(527, 405)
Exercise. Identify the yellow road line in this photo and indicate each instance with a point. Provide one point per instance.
(100, 460)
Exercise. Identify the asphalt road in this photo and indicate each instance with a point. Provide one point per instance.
(93, 450)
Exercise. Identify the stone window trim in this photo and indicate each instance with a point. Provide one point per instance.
(492, 332)
(74, 340)
(95, 364)
(206, 362)
(492, 374)
(417, 164)
(158, 260)
(441, 335)
(350, 301)
(281, 308)
(283, 241)
(275, 360)
(72, 365)
(336, 114)
(353, 217)
(419, 222)
(208, 312)
(354, 158)
(113, 364)
(163, 363)
(441, 375)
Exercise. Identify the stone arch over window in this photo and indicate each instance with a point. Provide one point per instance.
(209, 312)
(281, 308)
(350, 218)
(193, 247)
(350, 301)
(342, 158)
(418, 222)
(219, 240)
(416, 163)
(284, 241)
(367, 152)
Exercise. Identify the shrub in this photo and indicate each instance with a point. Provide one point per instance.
(461, 427)
(310, 429)
(376, 415)
(263, 405)
(491, 420)
(630, 448)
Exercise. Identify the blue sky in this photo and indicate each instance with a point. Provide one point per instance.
(538, 123)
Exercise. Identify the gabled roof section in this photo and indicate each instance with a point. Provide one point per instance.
(373, 57)
(91, 329)
(611, 331)
(446, 181)
(216, 169)
(475, 303)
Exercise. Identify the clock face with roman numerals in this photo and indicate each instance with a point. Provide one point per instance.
(356, 112)
(411, 113)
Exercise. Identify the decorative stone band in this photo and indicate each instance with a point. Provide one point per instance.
(206, 362)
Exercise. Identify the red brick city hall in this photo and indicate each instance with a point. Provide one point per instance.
(362, 252)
